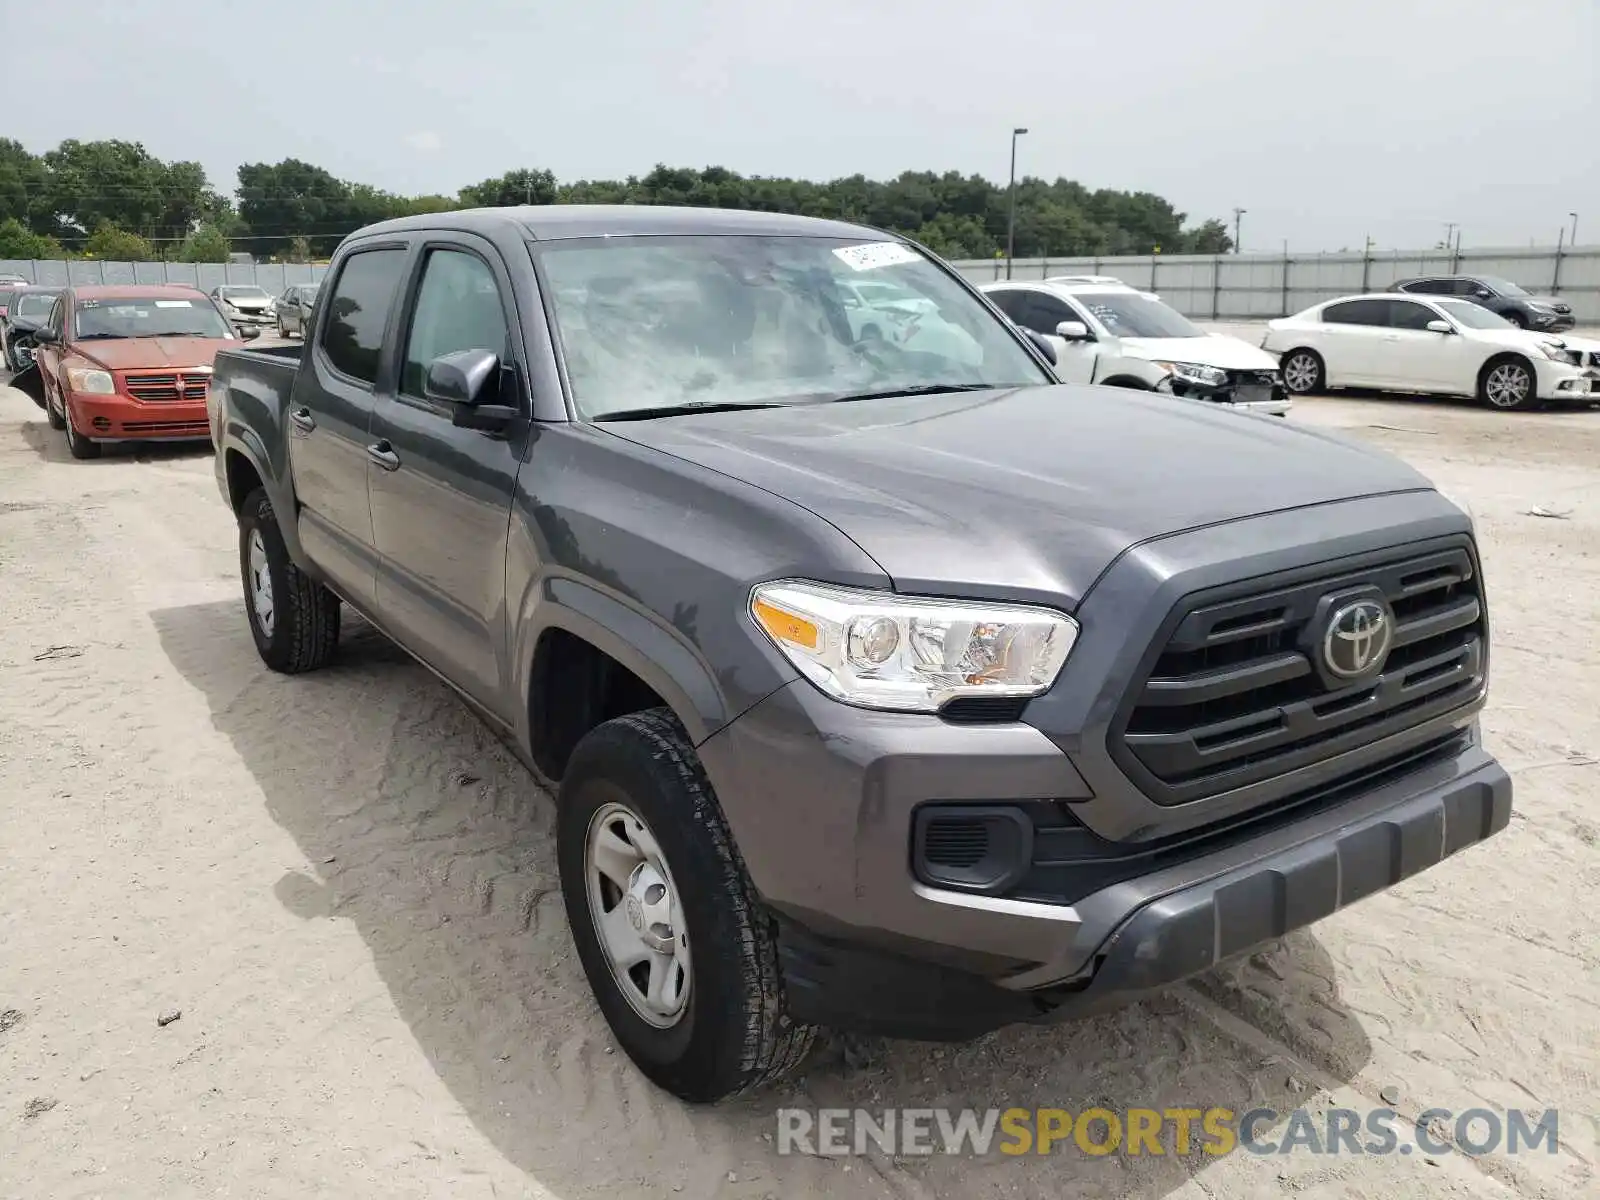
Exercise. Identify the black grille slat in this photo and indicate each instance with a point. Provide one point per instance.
(1235, 696)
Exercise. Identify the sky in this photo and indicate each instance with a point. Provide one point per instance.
(1326, 122)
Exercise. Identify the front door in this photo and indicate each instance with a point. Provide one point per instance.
(441, 495)
(1414, 357)
(329, 415)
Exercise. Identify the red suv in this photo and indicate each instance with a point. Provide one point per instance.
(120, 363)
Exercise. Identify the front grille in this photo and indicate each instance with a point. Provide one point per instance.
(161, 387)
(1237, 693)
(198, 428)
(1254, 386)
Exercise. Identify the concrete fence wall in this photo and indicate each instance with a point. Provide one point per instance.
(205, 276)
(1248, 286)
(1219, 287)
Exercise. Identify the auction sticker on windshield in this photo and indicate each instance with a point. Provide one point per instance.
(876, 254)
(173, 304)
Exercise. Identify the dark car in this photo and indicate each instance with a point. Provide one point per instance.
(26, 310)
(1545, 314)
(294, 308)
(888, 686)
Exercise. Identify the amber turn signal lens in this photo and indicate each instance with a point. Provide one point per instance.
(786, 626)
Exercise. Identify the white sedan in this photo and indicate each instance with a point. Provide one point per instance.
(1109, 333)
(1425, 345)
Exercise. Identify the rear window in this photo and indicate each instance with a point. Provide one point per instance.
(358, 309)
(32, 304)
(1357, 312)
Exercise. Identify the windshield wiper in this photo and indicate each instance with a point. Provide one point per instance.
(693, 406)
(90, 337)
(921, 389)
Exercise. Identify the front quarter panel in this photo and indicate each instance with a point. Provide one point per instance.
(652, 559)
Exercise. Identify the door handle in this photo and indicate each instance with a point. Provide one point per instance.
(303, 420)
(383, 454)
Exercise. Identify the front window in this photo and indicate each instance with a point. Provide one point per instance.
(32, 306)
(1133, 314)
(148, 316)
(659, 322)
(1474, 316)
(1503, 287)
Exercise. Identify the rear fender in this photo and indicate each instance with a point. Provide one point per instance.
(243, 448)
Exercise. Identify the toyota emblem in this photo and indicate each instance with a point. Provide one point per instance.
(1357, 639)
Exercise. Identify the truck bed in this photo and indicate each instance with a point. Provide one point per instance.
(255, 386)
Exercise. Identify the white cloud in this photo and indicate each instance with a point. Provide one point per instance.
(425, 141)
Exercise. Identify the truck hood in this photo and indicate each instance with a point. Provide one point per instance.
(1210, 350)
(1024, 493)
(139, 354)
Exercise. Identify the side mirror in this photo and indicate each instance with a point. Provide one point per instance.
(1073, 331)
(1043, 343)
(464, 380)
(1440, 327)
(249, 332)
(1482, 294)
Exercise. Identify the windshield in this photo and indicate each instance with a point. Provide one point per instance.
(1131, 314)
(148, 316)
(655, 322)
(1504, 286)
(32, 304)
(1473, 316)
(243, 293)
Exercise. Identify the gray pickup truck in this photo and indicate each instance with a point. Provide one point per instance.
(883, 685)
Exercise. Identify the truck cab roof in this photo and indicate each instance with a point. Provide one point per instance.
(554, 222)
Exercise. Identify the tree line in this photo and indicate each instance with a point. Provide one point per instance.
(115, 200)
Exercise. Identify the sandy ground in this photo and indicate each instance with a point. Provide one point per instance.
(348, 890)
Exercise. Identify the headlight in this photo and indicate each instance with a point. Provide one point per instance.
(913, 654)
(1554, 351)
(1197, 373)
(1540, 308)
(90, 381)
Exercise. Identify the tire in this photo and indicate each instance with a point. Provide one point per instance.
(1517, 319)
(300, 630)
(1310, 374)
(1497, 385)
(282, 332)
(732, 1030)
(80, 447)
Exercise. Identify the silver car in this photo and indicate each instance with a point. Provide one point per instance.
(295, 307)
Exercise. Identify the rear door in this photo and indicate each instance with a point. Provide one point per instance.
(1350, 341)
(330, 413)
(441, 495)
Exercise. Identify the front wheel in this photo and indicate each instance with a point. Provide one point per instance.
(1508, 384)
(1303, 372)
(1517, 319)
(293, 618)
(678, 951)
(56, 420)
(78, 446)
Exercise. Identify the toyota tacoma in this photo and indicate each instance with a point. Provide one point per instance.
(885, 685)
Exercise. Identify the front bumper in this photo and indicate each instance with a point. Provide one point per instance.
(1563, 381)
(120, 418)
(1171, 925)
(1551, 322)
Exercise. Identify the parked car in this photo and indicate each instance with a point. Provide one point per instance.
(26, 311)
(294, 308)
(126, 363)
(246, 306)
(1111, 334)
(1427, 345)
(879, 688)
(1524, 310)
(8, 285)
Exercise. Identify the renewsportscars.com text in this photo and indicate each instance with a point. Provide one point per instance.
(1156, 1132)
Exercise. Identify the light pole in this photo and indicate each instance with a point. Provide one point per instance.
(1011, 196)
(1574, 217)
(1237, 213)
